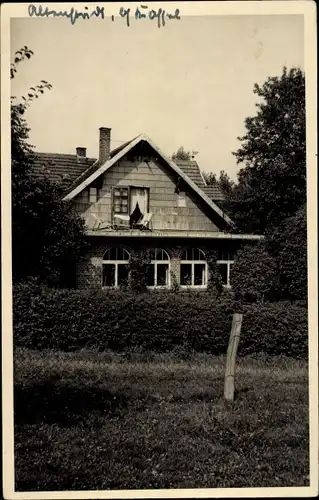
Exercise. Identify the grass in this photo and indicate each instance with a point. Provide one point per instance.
(103, 421)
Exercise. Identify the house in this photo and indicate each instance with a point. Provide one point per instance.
(135, 196)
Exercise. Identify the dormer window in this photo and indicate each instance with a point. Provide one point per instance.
(92, 194)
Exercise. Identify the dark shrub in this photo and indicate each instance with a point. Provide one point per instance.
(288, 244)
(254, 274)
(120, 321)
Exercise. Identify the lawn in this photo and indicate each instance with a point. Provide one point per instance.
(103, 421)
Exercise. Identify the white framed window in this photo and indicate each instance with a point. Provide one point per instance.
(92, 194)
(115, 267)
(139, 195)
(126, 199)
(121, 200)
(224, 262)
(193, 270)
(181, 199)
(158, 274)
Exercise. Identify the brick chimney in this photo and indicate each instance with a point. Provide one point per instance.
(80, 153)
(104, 144)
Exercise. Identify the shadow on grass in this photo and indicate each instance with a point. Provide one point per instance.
(53, 403)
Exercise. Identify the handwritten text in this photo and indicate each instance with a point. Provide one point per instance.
(72, 14)
(141, 12)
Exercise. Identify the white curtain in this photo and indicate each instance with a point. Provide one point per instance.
(139, 195)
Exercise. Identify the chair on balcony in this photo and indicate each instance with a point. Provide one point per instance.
(100, 224)
(144, 222)
(121, 222)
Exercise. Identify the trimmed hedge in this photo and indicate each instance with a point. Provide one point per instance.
(121, 321)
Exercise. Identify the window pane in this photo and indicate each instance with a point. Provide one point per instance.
(186, 274)
(184, 255)
(120, 254)
(152, 254)
(162, 274)
(124, 209)
(199, 274)
(221, 254)
(93, 194)
(230, 269)
(223, 272)
(108, 274)
(159, 254)
(110, 254)
(231, 255)
(120, 200)
(181, 199)
(113, 254)
(122, 274)
(198, 255)
(150, 275)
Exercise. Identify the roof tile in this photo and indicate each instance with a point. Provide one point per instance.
(71, 170)
(213, 191)
(61, 167)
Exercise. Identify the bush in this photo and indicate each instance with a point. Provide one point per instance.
(254, 274)
(121, 321)
(288, 244)
(279, 328)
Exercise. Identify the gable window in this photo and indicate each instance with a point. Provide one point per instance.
(92, 194)
(120, 200)
(158, 274)
(181, 199)
(139, 197)
(127, 198)
(115, 268)
(193, 272)
(225, 261)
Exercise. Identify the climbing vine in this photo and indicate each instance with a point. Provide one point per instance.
(138, 269)
(215, 282)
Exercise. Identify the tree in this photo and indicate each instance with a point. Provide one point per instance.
(46, 234)
(226, 186)
(272, 184)
(183, 154)
(288, 244)
(210, 178)
(254, 274)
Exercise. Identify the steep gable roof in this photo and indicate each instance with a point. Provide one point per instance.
(98, 169)
(67, 168)
(71, 170)
(63, 168)
(214, 192)
(191, 168)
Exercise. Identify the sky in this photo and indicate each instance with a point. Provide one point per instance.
(187, 84)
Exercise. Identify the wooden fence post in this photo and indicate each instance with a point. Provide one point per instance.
(229, 388)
